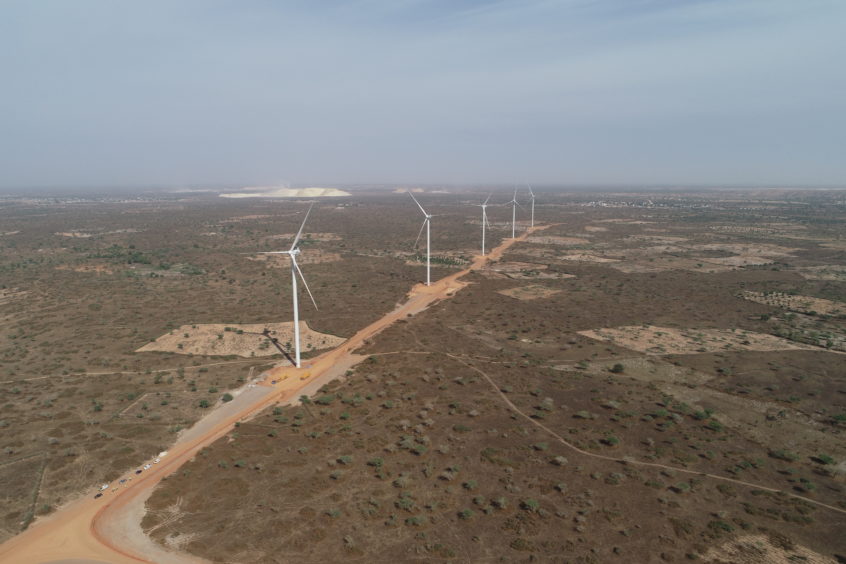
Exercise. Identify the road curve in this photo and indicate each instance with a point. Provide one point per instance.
(97, 530)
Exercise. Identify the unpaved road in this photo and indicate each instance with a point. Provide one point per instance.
(108, 529)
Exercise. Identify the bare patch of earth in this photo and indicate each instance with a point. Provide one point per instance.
(525, 271)
(595, 229)
(587, 257)
(653, 340)
(554, 240)
(10, 294)
(654, 239)
(245, 340)
(833, 272)
(313, 256)
(748, 250)
(75, 234)
(803, 304)
(95, 268)
(669, 262)
(531, 292)
(308, 236)
(760, 549)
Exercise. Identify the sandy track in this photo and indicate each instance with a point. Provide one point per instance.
(107, 530)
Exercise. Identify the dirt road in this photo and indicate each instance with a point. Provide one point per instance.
(108, 529)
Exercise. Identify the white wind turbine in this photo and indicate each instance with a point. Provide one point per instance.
(426, 224)
(514, 205)
(295, 269)
(533, 205)
(485, 223)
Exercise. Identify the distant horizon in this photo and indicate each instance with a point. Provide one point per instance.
(357, 186)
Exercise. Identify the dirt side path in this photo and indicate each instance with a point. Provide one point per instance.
(106, 530)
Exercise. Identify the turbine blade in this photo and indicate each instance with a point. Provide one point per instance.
(418, 203)
(269, 253)
(530, 190)
(300, 232)
(421, 232)
(300, 272)
(487, 199)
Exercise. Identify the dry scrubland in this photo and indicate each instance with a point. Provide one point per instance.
(86, 282)
(640, 408)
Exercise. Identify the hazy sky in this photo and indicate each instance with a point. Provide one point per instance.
(328, 91)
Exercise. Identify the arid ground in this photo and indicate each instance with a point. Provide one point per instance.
(654, 377)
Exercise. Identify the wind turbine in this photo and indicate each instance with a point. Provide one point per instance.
(514, 205)
(533, 205)
(485, 223)
(295, 269)
(426, 224)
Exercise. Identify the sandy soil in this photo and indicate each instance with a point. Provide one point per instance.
(95, 268)
(587, 257)
(653, 340)
(524, 271)
(10, 294)
(668, 262)
(750, 549)
(312, 256)
(531, 292)
(562, 241)
(834, 272)
(803, 304)
(80, 530)
(595, 229)
(743, 249)
(247, 340)
(75, 234)
(307, 237)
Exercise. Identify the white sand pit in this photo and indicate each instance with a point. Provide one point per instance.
(802, 304)
(247, 340)
(531, 292)
(665, 340)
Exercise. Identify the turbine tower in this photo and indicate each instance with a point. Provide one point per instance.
(295, 269)
(533, 205)
(514, 205)
(426, 224)
(485, 223)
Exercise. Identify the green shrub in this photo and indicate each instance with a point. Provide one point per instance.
(530, 504)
